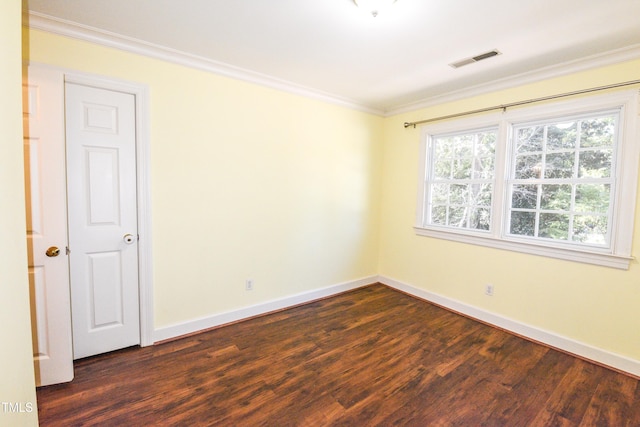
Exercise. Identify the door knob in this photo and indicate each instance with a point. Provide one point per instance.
(53, 251)
(128, 238)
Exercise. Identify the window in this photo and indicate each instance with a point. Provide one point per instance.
(462, 177)
(561, 176)
(557, 180)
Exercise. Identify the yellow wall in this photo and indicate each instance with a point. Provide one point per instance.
(247, 182)
(595, 305)
(17, 383)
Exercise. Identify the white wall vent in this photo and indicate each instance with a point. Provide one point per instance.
(476, 58)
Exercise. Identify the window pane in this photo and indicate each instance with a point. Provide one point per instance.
(556, 197)
(442, 169)
(440, 194)
(524, 196)
(486, 145)
(481, 219)
(554, 226)
(562, 135)
(523, 223)
(463, 145)
(559, 165)
(462, 168)
(483, 168)
(480, 194)
(594, 198)
(439, 215)
(590, 229)
(530, 139)
(443, 148)
(595, 163)
(597, 132)
(458, 194)
(458, 217)
(528, 166)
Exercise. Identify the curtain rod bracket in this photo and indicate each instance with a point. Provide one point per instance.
(407, 124)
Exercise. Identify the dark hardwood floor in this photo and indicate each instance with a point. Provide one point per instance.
(372, 356)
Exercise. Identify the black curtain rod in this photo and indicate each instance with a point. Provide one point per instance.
(504, 107)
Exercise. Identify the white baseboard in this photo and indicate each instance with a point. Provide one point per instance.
(586, 351)
(580, 349)
(195, 325)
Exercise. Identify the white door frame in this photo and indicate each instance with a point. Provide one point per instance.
(145, 272)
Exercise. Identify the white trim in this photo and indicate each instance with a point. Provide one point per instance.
(532, 248)
(613, 360)
(203, 323)
(145, 259)
(40, 21)
(554, 71)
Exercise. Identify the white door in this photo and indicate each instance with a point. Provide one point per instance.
(43, 107)
(103, 236)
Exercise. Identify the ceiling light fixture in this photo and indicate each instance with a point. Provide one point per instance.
(374, 7)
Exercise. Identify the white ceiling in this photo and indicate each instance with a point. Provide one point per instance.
(385, 63)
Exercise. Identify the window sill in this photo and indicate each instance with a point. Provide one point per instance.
(583, 256)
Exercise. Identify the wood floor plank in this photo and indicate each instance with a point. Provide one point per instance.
(611, 402)
(373, 356)
(534, 388)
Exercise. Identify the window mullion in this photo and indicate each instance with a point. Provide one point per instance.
(500, 201)
(574, 182)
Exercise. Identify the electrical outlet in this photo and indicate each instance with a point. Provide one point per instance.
(248, 285)
(488, 289)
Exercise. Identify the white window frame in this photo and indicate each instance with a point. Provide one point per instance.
(618, 255)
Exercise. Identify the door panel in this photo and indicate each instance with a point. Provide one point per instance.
(46, 211)
(105, 290)
(102, 211)
(103, 194)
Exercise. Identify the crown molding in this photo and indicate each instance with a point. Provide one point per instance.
(40, 21)
(570, 67)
